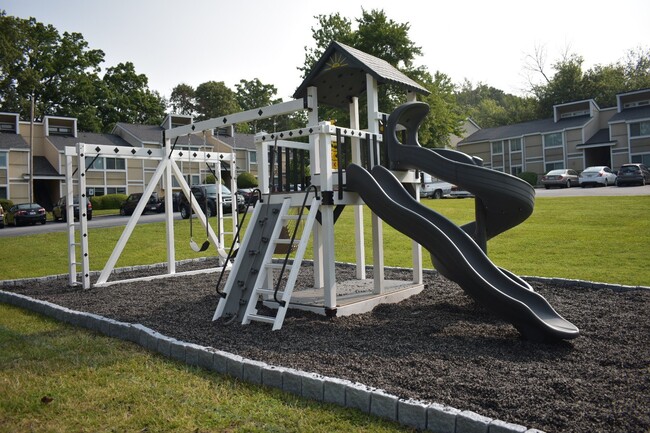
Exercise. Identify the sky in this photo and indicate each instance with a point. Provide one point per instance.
(194, 41)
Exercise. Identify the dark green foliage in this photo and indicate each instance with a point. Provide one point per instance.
(210, 178)
(246, 180)
(529, 177)
(5, 203)
(108, 201)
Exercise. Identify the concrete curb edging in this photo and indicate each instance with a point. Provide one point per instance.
(412, 413)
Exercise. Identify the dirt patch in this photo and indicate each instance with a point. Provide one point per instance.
(438, 346)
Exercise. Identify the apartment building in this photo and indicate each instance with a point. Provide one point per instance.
(580, 134)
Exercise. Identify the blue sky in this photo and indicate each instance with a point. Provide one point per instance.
(194, 41)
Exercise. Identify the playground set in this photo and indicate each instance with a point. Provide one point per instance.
(379, 169)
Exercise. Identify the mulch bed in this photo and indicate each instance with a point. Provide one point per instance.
(438, 346)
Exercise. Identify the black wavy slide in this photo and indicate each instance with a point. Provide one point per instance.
(459, 257)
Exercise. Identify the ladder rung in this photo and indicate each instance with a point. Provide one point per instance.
(286, 241)
(291, 217)
(75, 244)
(258, 318)
(277, 266)
(269, 292)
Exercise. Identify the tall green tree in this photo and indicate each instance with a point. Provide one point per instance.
(490, 107)
(182, 99)
(60, 72)
(126, 98)
(214, 99)
(255, 94)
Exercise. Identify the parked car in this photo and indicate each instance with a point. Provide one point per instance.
(25, 213)
(562, 178)
(59, 212)
(153, 205)
(206, 196)
(250, 197)
(433, 187)
(457, 192)
(633, 174)
(597, 175)
(2, 217)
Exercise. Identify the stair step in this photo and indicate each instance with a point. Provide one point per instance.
(259, 318)
(291, 217)
(286, 241)
(278, 266)
(270, 292)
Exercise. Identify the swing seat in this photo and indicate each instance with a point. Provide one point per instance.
(198, 248)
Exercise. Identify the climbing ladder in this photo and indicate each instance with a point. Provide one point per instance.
(73, 271)
(252, 273)
(264, 283)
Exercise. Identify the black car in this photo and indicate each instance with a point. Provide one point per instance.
(59, 212)
(25, 213)
(631, 174)
(206, 196)
(250, 197)
(153, 204)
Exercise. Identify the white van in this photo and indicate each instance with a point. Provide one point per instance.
(434, 187)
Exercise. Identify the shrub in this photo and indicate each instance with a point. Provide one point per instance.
(210, 178)
(5, 203)
(529, 177)
(246, 180)
(108, 201)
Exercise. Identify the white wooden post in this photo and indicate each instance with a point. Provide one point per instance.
(377, 228)
(359, 238)
(315, 167)
(169, 212)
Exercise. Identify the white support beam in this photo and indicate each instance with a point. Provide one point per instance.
(241, 117)
(359, 236)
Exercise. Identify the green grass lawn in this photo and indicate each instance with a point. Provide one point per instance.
(591, 238)
(57, 378)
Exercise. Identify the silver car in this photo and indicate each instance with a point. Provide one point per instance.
(563, 178)
(597, 175)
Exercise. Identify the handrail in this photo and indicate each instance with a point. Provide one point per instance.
(293, 238)
(235, 238)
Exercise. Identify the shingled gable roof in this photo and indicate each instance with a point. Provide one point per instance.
(61, 141)
(340, 74)
(12, 141)
(541, 126)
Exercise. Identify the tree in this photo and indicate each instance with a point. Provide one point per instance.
(182, 99)
(214, 99)
(59, 71)
(254, 94)
(126, 98)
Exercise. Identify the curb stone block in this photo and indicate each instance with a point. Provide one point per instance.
(252, 371)
(498, 426)
(220, 362)
(334, 390)
(192, 354)
(312, 387)
(292, 381)
(471, 422)
(412, 413)
(164, 345)
(206, 358)
(384, 405)
(234, 365)
(357, 396)
(272, 376)
(177, 350)
(534, 430)
(441, 419)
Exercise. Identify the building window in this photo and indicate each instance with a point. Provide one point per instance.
(554, 165)
(640, 129)
(94, 164)
(516, 169)
(59, 130)
(252, 157)
(515, 145)
(116, 190)
(3, 192)
(497, 147)
(115, 164)
(553, 140)
(3, 159)
(641, 159)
